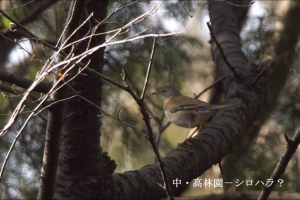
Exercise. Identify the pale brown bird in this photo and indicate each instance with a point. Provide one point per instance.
(186, 111)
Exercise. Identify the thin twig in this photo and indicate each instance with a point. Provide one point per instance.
(149, 69)
(40, 77)
(212, 85)
(185, 9)
(23, 5)
(221, 51)
(146, 118)
(237, 5)
(6, 88)
(292, 145)
(139, 33)
(127, 124)
(160, 131)
(117, 10)
(20, 81)
(27, 31)
(267, 65)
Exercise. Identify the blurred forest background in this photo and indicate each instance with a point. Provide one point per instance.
(184, 61)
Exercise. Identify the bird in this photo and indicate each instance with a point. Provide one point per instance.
(185, 111)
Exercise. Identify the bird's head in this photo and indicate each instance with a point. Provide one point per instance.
(167, 93)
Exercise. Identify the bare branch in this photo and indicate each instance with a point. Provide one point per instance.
(117, 10)
(64, 45)
(27, 31)
(17, 92)
(237, 5)
(292, 145)
(23, 82)
(222, 52)
(149, 69)
(92, 50)
(268, 64)
(128, 125)
(20, 107)
(40, 77)
(19, 6)
(212, 85)
(185, 9)
(123, 75)
(34, 14)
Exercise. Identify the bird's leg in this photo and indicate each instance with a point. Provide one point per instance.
(197, 129)
(186, 137)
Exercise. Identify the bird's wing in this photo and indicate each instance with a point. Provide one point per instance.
(186, 103)
(194, 105)
(204, 106)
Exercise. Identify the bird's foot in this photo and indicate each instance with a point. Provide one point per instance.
(185, 141)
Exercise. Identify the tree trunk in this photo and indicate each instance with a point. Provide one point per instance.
(82, 168)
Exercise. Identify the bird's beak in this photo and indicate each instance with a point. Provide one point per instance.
(155, 93)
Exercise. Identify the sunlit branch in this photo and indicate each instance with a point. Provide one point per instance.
(92, 50)
(33, 113)
(64, 46)
(40, 77)
(67, 24)
(20, 105)
(149, 69)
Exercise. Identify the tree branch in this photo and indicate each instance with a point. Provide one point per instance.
(222, 51)
(27, 31)
(9, 89)
(292, 145)
(42, 87)
(149, 70)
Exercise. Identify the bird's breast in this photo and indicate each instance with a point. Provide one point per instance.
(187, 119)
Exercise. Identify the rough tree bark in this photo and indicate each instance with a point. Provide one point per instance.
(55, 116)
(82, 168)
